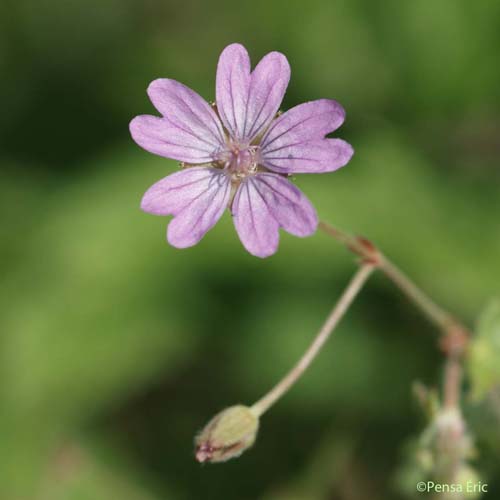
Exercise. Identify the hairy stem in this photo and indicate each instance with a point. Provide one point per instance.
(352, 289)
(364, 248)
(455, 336)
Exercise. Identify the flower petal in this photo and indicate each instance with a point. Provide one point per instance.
(161, 137)
(196, 197)
(295, 141)
(264, 203)
(305, 122)
(247, 102)
(232, 86)
(325, 155)
(188, 116)
(269, 81)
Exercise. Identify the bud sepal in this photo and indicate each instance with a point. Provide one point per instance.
(227, 435)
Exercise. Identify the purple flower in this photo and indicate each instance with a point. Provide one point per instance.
(239, 153)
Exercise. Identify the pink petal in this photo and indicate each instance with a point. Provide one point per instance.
(189, 130)
(161, 137)
(295, 141)
(324, 155)
(248, 102)
(196, 197)
(305, 122)
(264, 203)
(268, 85)
(232, 86)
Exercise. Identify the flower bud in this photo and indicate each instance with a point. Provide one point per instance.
(227, 435)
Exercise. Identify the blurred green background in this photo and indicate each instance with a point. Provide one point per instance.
(116, 348)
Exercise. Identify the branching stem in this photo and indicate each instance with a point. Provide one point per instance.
(455, 336)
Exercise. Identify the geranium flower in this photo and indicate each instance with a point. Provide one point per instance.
(238, 153)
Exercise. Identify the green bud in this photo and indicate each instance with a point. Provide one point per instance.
(227, 435)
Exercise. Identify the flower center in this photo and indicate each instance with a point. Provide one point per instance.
(240, 160)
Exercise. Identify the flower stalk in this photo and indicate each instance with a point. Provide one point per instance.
(340, 308)
(442, 319)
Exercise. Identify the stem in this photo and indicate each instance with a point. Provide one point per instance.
(368, 251)
(455, 335)
(352, 289)
(442, 319)
(452, 382)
